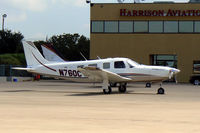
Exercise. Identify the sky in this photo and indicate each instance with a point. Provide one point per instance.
(41, 19)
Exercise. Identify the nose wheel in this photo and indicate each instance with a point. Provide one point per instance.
(161, 90)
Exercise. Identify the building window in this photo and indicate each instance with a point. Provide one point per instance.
(111, 26)
(106, 65)
(126, 26)
(170, 26)
(164, 60)
(196, 66)
(140, 26)
(119, 64)
(155, 26)
(186, 26)
(97, 26)
(197, 26)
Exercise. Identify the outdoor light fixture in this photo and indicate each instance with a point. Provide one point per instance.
(3, 17)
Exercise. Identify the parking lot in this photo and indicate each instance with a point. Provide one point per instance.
(60, 107)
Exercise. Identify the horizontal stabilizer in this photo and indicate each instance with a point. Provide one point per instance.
(22, 68)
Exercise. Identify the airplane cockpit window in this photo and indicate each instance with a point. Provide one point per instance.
(130, 66)
(132, 63)
(106, 65)
(119, 64)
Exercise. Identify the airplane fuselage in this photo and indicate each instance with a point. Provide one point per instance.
(121, 66)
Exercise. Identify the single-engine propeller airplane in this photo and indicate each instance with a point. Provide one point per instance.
(50, 53)
(105, 71)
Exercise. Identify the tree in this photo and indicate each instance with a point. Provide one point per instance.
(70, 46)
(10, 42)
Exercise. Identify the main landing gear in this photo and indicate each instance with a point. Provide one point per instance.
(122, 88)
(161, 90)
(108, 89)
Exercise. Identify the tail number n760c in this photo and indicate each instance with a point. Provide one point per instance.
(70, 73)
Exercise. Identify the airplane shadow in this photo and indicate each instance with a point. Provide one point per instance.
(99, 86)
(91, 94)
(113, 93)
(18, 91)
(51, 85)
(83, 93)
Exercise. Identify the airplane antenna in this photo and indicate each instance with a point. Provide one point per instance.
(98, 57)
(83, 56)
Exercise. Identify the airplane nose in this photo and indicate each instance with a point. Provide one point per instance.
(175, 71)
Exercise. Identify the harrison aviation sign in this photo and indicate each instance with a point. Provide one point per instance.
(159, 13)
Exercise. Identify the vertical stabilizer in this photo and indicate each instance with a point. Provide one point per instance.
(32, 54)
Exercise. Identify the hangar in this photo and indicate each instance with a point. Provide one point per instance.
(165, 34)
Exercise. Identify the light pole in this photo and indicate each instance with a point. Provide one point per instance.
(3, 17)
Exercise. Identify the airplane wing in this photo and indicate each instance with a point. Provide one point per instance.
(97, 73)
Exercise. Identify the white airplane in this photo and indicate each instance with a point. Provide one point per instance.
(51, 54)
(110, 70)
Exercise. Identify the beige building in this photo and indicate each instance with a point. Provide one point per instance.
(156, 34)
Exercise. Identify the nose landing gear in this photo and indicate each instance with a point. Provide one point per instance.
(161, 90)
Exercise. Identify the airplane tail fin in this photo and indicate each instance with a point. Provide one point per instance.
(32, 55)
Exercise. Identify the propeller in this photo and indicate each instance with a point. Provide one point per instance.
(172, 73)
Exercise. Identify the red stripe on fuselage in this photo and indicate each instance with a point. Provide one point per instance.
(133, 74)
(43, 64)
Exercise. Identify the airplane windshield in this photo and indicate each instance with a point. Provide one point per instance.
(132, 63)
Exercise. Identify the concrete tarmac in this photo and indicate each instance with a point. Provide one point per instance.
(60, 107)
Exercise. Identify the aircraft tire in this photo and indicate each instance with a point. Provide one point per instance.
(161, 91)
(148, 85)
(107, 91)
(122, 88)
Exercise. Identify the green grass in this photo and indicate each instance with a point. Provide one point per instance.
(13, 59)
